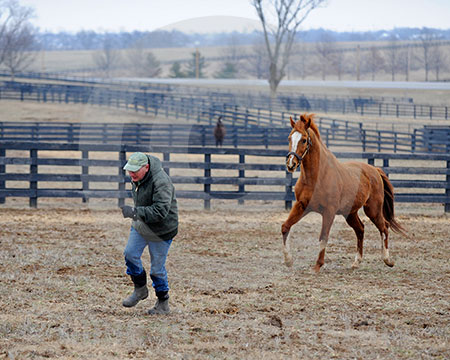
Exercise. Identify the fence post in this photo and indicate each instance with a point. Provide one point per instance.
(241, 176)
(2, 171)
(207, 186)
(386, 165)
(203, 135)
(122, 158)
(35, 132)
(413, 141)
(447, 189)
(363, 134)
(70, 133)
(166, 157)
(105, 133)
(33, 183)
(288, 191)
(171, 134)
(85, 174)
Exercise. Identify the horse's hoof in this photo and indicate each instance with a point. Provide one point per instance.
(288, 262)
(389, 262)
(316, 269)
(355, 265)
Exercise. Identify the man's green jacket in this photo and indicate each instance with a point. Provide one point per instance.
(156, 204)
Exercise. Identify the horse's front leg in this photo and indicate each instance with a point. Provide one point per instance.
(297, 212)
(327, 221)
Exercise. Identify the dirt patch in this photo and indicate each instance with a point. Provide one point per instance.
(62, 280)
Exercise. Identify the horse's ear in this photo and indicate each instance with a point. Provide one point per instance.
(306, 120)
(292, 122)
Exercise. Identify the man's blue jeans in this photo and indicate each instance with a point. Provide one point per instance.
(158, 255)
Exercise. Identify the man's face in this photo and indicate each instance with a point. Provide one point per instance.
(139, 175)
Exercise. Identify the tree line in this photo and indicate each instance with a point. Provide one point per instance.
(275, 53)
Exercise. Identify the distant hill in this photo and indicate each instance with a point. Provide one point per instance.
(215, 25)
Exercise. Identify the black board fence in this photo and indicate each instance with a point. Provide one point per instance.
(51, 170)
(151, 97)
(333, 133)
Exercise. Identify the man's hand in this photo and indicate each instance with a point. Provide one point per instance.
(129, 212)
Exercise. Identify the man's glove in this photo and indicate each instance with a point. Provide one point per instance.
(129, 212)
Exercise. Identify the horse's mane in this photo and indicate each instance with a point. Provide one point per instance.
(313, 125)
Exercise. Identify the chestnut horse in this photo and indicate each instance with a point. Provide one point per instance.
(331, 188)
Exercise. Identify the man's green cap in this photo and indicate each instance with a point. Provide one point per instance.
(136, 161)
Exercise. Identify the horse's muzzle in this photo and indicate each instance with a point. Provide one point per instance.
(291, 165)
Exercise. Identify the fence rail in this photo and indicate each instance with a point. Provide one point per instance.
(36, 170)
(151, 98)
(334, 133)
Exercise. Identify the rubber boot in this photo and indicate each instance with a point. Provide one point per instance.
(140, 290)
(162, 304)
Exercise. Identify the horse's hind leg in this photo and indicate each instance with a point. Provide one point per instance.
(375, 214)
(295, 215)
(356, 224)
(327, 221)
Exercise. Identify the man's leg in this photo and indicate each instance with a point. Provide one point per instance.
(133, 252)
(158, 273)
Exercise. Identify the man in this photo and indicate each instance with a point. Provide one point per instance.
(155, 224)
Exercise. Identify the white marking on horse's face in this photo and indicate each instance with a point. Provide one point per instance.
(295, 139)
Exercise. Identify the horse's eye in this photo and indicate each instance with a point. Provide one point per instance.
(303, 141)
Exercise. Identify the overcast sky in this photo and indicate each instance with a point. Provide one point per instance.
(149, 15)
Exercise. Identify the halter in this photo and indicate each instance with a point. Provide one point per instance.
(300, 158)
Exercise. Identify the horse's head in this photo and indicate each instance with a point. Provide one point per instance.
(299, 142)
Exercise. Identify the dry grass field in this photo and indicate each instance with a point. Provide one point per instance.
(62, 279)
(77, 60)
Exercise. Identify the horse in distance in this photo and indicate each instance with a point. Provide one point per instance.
(329, 187)
(219, 132)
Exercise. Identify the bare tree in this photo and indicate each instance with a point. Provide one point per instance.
(257, 62)
(325, 50)
(374, 61)
(404, 61)
(142, 62)
(16, 36)
(438, 60)
(392, 56)
(288, 15)
(232, 55)
(108, 58)
(427, 38)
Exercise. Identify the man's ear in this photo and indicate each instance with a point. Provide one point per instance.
(292, 122)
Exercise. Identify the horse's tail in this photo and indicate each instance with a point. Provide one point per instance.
(388, 204)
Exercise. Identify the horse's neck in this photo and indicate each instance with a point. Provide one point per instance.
(318, 155)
